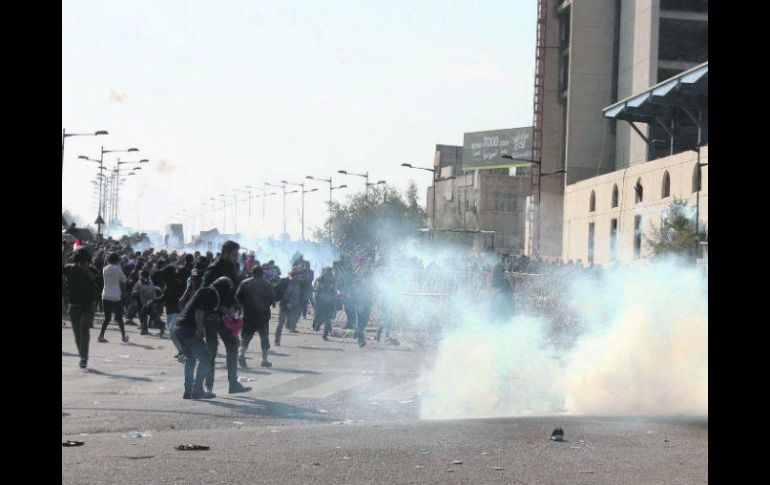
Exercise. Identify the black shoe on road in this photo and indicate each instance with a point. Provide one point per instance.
(266, 364)
(203, 395)
(83, 363)
(242, 362)
(125, 339)
(102, 340)
(238, 387)
(325, 338)
(187, 395)
(144, 332)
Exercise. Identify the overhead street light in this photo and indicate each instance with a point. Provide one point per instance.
(65, 135)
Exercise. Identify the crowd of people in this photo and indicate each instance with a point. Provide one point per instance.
(198, 299)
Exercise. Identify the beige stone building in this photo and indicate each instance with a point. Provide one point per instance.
(604, 218)
(590, 55)
(478, 200)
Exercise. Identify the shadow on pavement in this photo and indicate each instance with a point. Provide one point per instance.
(119, 376)
(69, 354)
(252, 370)
(297, 371)
(268, 409)
(320, 348)
(133, 344)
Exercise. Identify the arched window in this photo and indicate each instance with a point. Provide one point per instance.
(696, 179)
(614, 196)
(666, 190)
(639, 190)
(592, 202)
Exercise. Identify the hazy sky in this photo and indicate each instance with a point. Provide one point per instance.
(222, 94)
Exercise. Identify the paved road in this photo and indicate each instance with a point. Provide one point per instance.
(329, 412)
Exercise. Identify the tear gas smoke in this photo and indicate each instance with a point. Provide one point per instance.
(641, 349)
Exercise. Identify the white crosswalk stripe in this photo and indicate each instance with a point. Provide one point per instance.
(263, 382)
(402, 392)
(332, 386)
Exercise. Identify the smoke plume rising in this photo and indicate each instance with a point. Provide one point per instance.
(641, 349)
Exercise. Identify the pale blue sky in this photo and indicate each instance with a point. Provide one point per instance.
(230, 93)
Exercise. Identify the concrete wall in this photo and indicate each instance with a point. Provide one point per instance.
(576, 205)
(479, 189)
(590, 146)
(637, 70)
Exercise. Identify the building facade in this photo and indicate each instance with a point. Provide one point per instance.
(478, 200)
(607, 218)
(594, 53)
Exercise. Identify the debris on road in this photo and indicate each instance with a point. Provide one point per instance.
(191, 447)
(558, 434)
(238, 423)
(70, 443)
(425, 452)
(140, 457)
(457, 462)
(497, 468)
(137, 434)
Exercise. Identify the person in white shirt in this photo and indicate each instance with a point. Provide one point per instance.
(111, 296)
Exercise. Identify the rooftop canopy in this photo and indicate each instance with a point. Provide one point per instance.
(676, 111)
(688, 89)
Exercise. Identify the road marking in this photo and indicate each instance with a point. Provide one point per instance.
(262, 382)
(402, 392)
(332, 386)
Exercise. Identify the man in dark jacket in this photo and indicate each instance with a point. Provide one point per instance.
(81, 279)
(224, 267)
(255, 295)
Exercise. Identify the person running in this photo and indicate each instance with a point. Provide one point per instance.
(327, 302)
(289, 309)
(224, 272)
(255, 295)
(112, 296)
(190, 331)
(172, 293)
(82, 286)
(362, 296)
(147, 294)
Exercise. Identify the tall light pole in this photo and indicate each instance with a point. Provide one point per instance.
(331, 189)
(224, 213)
(247, 191)
(64, 136)
(303, 191)
(364, 175)
(433, 208)
(117, 193)
(99, 219)
(283, 187)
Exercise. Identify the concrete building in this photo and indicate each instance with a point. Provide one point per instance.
(478, 200)
(590, 54)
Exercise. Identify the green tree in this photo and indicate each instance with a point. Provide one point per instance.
(676, 234)
(381, 217)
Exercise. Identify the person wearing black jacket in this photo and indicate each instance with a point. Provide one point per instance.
(255, 295)
(223, 275)
(82, 285)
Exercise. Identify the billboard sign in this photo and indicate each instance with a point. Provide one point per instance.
(483, 150)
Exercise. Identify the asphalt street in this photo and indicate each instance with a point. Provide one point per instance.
(330, 412)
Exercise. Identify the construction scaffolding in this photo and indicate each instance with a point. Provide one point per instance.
(533, 212)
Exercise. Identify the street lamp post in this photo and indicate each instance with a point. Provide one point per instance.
(283, 187)
(331, 188)
(303, 191)
(433, 209)
(64, 136)
(364, 175)
(99, 219)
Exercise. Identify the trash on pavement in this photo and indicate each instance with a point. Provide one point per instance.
(70, 443)
(191, 447)
(497, 468)
(457, 462)
(137, 434)
(558, 434)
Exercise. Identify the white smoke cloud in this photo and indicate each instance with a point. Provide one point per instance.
(643, 350)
